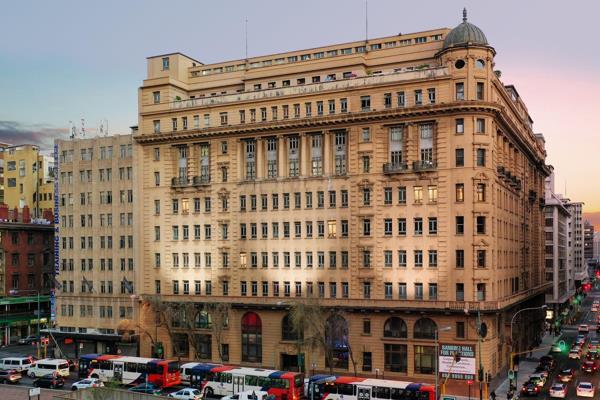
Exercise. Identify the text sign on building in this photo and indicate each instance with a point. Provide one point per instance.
(463, 369)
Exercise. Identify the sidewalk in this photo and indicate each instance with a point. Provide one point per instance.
(527, 366)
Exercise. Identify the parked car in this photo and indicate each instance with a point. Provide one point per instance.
(147, 388)
(558, 390)
(186, 394)
(530, 389)
(575, 354)
(583, 329)
(49, 381)
(10, 376)
(27, 340)
(580, 340)
(87, 383)
(589, 366)
(566, 375)
(248, 395)
(585, 389)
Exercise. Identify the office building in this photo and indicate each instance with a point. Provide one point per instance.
(395, 180)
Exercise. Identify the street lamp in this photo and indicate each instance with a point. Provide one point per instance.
(437, 351)
(14, 292)
(512, 321)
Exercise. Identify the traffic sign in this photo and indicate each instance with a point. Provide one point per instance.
(34, 392)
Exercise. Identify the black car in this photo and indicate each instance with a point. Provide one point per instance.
(530, 389)
(548, 360)
(49, 381)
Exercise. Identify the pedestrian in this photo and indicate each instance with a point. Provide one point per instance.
(493, 395)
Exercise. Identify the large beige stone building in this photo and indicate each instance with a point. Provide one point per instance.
(96, 245)
(396, 179)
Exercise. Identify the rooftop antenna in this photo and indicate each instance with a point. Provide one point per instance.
(82, 127)
(72, 130)
(246, 37)
(465, 14)
(101, 128)
(366, 21)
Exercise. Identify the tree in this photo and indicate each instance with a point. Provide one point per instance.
(219, 313)
(323, 329)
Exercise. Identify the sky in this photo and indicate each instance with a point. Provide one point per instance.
(64, 60)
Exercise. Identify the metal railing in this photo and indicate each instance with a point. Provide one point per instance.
(180, 181)
(424, 165)
(392, 168)
(201, 180)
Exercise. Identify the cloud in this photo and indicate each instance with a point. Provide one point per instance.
(15, 133)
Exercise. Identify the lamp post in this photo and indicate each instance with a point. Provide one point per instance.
(436, 360)
(512, 321)
(14, 292)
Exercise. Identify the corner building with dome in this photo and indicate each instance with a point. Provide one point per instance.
(395, 184)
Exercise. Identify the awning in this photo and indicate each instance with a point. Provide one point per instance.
(7, 300)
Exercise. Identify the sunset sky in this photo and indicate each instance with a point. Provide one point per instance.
(74, 60)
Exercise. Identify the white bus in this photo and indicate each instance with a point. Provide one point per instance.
(47, 366)
(131, 370)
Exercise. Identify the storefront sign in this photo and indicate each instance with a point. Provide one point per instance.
(549, 314)
(464, 368)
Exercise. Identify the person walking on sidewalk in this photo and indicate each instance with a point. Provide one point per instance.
(493, 395)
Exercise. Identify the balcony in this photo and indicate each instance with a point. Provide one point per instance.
(180, 181)
(201, 180)
(424, 165)
(395, 168)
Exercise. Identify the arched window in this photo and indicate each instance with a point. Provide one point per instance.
(203, 320)
(251, 337)
(336, 336)
(287, 329)
(425, 329)
(395, 327)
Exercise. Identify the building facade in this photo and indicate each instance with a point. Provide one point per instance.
(588, 241)
(395, 180)
(96, 245)
(26, 260)
(559, 252)
(28, 177)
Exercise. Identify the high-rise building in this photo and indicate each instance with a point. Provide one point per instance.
(28, 179)
(597, 247)
(395, 180)
(96, 245)
(26, 260)
(3, 147)
(588, 241)
(559, 252)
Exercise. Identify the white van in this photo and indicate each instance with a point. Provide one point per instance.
(184, 370)
(18, 363)
(49, 366)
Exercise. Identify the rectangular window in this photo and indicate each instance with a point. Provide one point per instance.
(460, 125)
(481, 262)
(387, 100)
(459, 155)
(460, 258)
(460, 91)
(433, 291)
(460, 292)
(402, 226)
(366, 290)
(460, 225)
(402, 195)
(344, 105)
(480, 125)
(480, 222)
(418, 291)
(481, 192)
(481, 292)
(431, 95)
(401, 99)
(418, 258)
(418, 224)
(402, 258)
(460, 329)
(418, 97)
(365, 103)
(433, 258)
(433, 224)
(481, 157)
(402, 292)
(480, 90)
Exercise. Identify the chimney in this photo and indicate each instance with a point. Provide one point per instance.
(26, 215)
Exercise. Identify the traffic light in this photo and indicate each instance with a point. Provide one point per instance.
(563, 346)
(480, 375)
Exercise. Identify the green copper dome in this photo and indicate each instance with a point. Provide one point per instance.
(465, 34)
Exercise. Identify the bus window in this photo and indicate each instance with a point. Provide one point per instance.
(142, 368)
(106, 365)
(263, 381)
(397, 394)
(299, 380)
(251, 380)
(173, 366)
(344, 388)
(381, 392)
(130, 367)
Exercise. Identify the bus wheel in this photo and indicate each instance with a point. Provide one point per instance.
(32, 375)
(209, 392)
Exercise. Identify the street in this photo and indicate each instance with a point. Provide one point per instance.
(569, 335)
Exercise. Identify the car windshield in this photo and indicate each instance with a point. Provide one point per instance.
(195, 392)
(557, 387)
(585, 385)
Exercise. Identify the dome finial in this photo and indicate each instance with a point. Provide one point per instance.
(465, 14)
